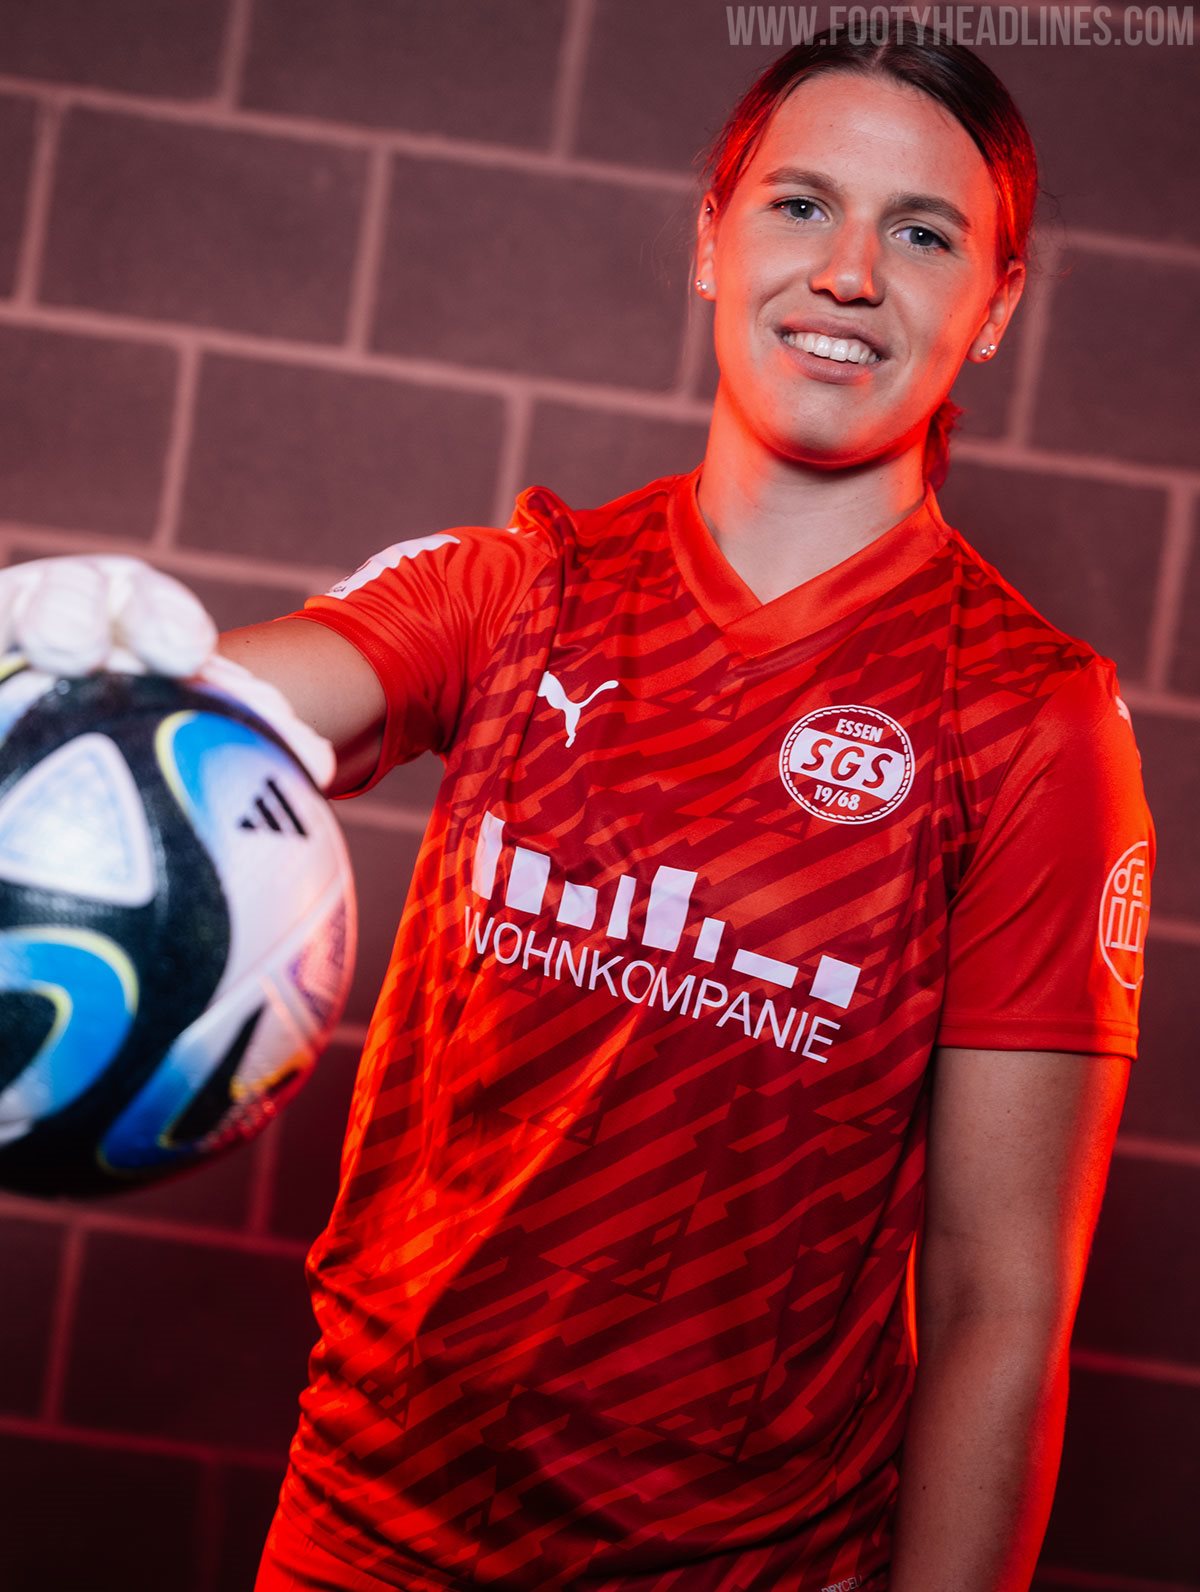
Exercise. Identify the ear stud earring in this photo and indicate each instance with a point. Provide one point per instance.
(701, 286)
(988, 350)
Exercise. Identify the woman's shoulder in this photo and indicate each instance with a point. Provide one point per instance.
(1007, 656)
(540, 508)
(991, 602)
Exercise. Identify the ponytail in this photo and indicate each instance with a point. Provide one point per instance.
(937, 443)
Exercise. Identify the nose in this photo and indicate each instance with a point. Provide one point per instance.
(849, 267)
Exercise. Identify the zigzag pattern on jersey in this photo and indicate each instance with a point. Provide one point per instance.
(607, 1289)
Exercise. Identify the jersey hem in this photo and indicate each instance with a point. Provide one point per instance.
(301, 1546)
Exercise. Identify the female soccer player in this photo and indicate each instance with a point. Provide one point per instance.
(738, 1105)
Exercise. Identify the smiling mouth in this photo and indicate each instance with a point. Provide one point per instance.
(841, 350)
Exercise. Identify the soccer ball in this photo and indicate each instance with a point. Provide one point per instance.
(177, 928)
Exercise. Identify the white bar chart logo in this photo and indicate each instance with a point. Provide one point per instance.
(667, 912)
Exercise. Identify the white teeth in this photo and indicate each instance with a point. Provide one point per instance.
(845, 350)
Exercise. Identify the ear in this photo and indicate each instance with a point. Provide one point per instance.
(1001, 309)
(706, 246)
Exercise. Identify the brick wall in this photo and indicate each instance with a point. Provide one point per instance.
(282, 281)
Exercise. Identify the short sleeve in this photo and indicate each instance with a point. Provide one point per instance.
(1047, 930)
(426, 615)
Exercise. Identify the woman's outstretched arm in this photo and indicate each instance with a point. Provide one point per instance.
(327, 681)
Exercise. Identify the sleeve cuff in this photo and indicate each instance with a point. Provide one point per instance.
(1065, 1034)
(362, 640)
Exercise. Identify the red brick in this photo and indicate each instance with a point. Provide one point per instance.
(248, 1499)
(589, 455)
(1085, 553)
(1171, 765)
(327, 468)
(83, 430)
(140, 46)
(233, 603)
(17, 129)
(1185, 666)
(383, 863)
(1123, 397)
(1130, 1477)
(1163, 1101)
(546, 274)
(661, 78)
(309, 1136)
(189, 1341)
(1147, 1235)
(1111, 121)
(203, 225)
(30, 1259)
(97, 1518)
(473, 70)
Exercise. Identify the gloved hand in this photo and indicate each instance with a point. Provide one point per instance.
(71, 616)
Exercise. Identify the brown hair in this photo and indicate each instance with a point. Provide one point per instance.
(950, 74)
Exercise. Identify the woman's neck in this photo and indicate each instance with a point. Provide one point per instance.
(779, 523)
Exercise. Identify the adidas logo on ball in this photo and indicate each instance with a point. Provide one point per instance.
(272, 811)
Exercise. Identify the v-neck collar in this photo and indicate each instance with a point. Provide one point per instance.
(755, 627)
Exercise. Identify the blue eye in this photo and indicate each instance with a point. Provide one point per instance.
(925, 240)
(811, 205)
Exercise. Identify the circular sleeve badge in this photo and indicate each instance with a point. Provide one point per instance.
(849, 765)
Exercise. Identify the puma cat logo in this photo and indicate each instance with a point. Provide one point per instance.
(552, 690)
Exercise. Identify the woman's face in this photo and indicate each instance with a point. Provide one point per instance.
(866, 212)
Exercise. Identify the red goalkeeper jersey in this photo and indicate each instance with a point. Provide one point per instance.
(618, 1288)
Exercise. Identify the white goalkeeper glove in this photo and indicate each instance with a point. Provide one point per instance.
(71, 616)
